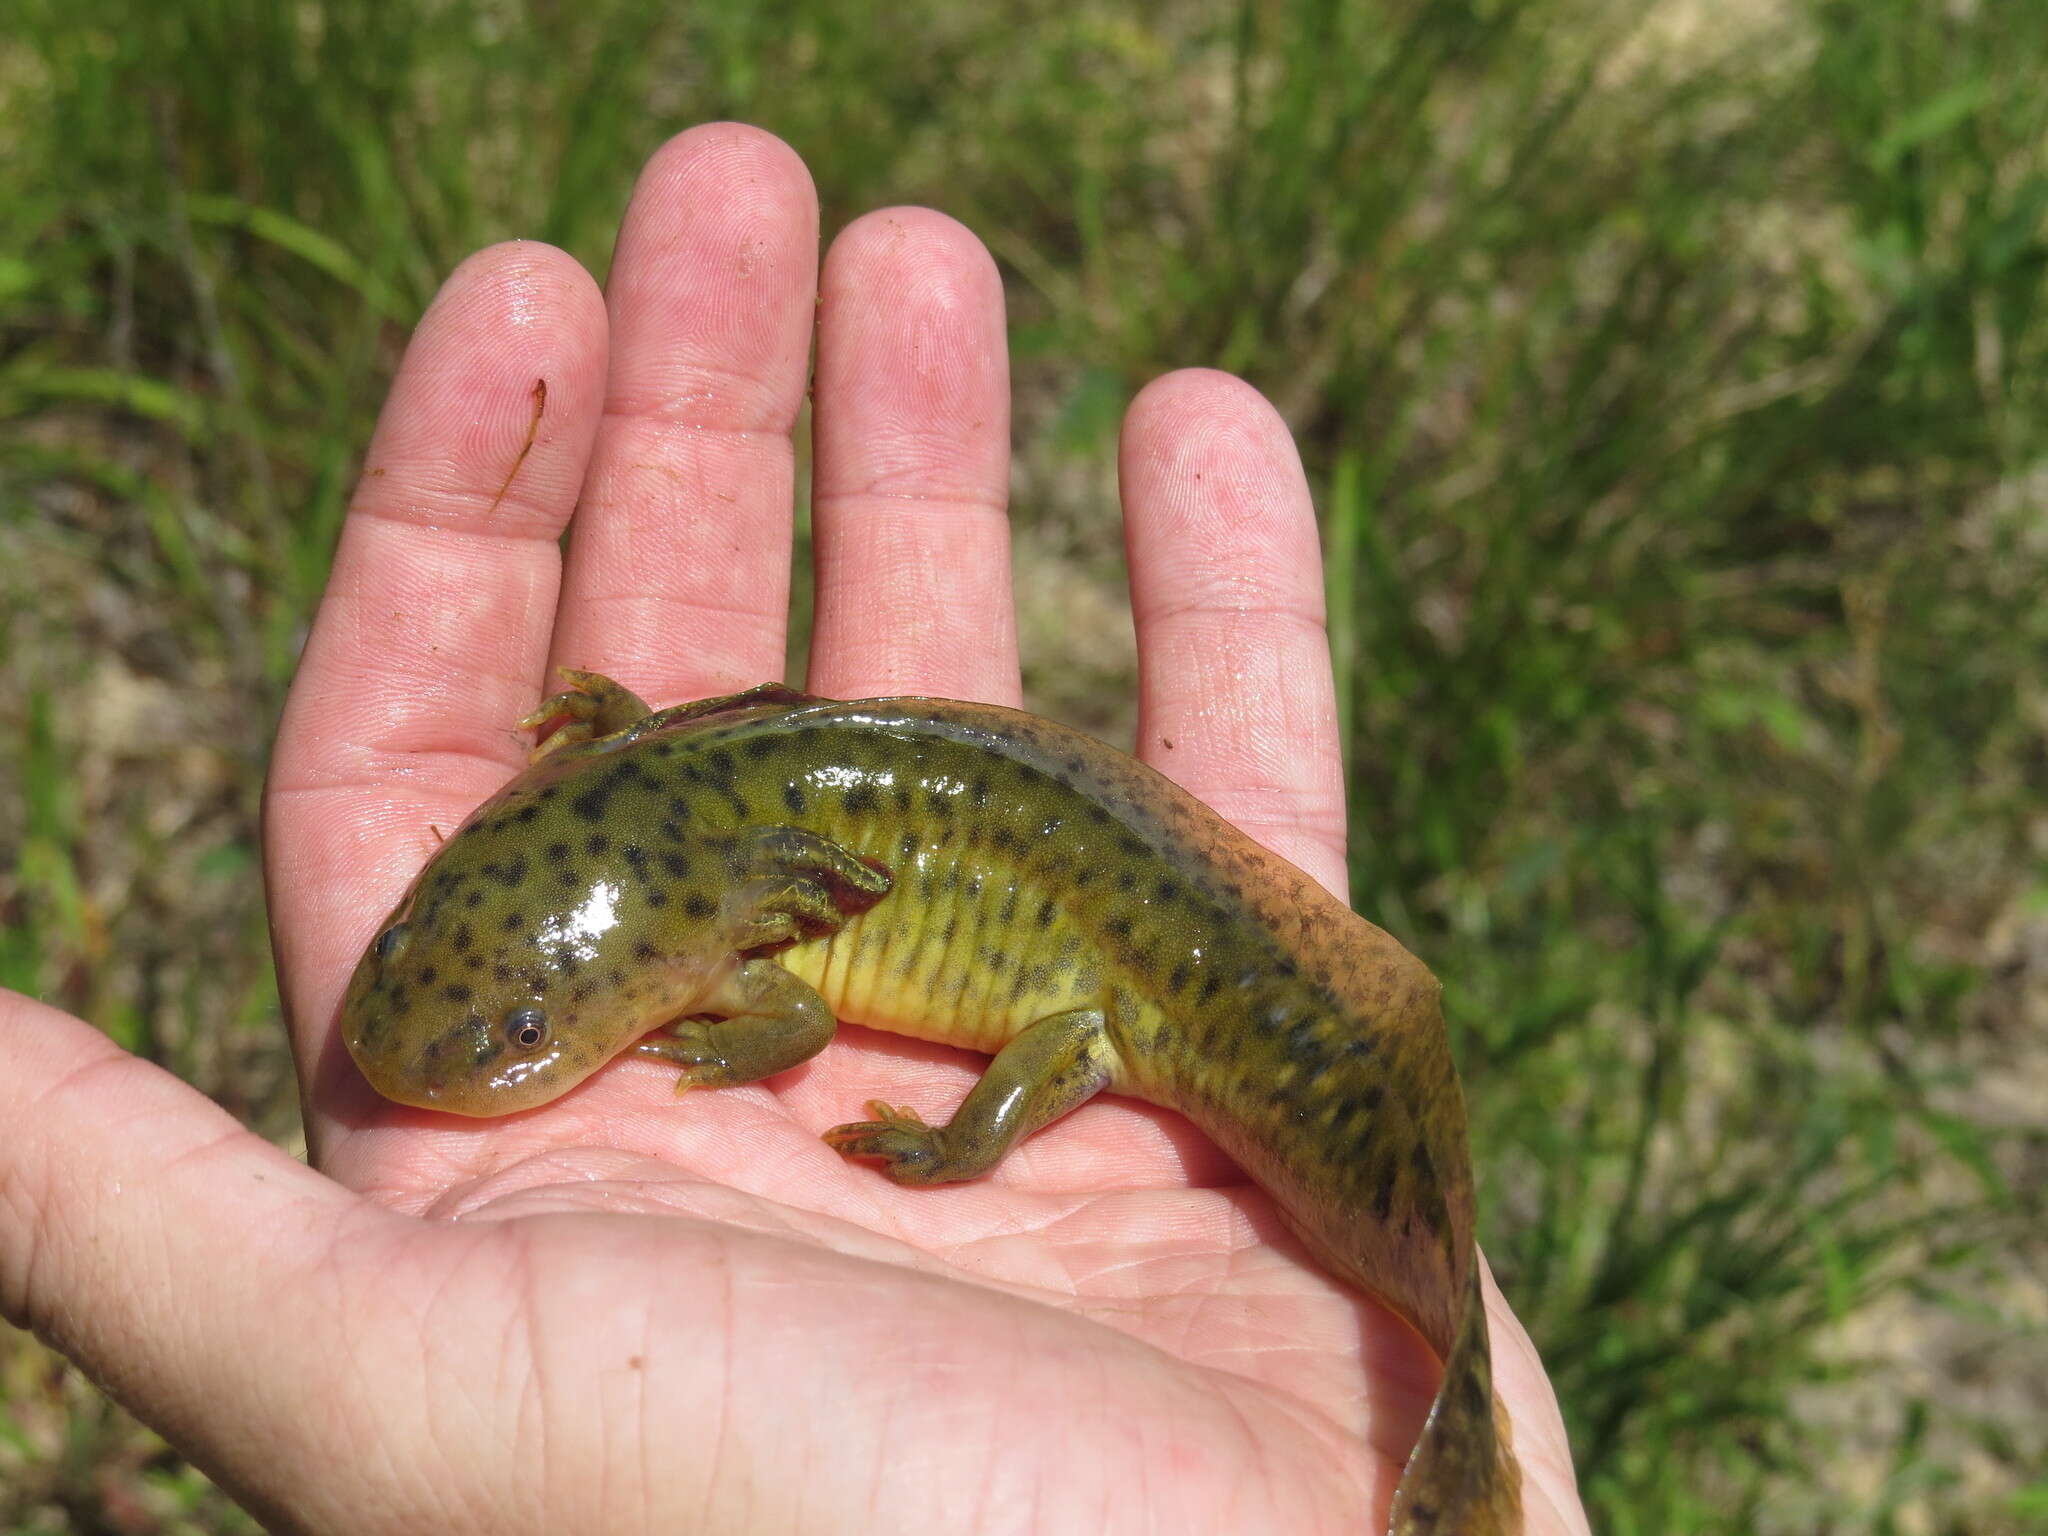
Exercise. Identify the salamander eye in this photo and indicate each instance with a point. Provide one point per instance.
(391, 941)
(526, 1028)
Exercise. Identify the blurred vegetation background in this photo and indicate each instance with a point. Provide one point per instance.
(1674, 379)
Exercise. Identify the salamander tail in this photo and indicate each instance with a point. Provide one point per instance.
(1461, 1478)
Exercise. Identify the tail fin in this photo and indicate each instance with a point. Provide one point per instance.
(1461, 1478)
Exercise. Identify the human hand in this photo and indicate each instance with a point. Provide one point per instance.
(624, 1312)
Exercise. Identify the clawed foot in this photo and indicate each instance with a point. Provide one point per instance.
(689, 1045)
(596, 706)
(909, 1149)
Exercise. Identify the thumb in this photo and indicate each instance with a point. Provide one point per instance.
(160, 1245)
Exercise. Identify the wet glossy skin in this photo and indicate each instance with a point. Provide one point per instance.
(759, 866)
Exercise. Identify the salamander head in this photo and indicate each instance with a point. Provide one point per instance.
(480, 996)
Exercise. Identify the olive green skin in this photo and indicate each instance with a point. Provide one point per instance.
(974, 875)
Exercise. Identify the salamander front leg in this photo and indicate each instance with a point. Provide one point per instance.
(596, 706)
(1053, 1066)
(773, 1021)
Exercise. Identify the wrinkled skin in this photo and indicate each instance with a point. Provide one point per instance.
(622, 1313)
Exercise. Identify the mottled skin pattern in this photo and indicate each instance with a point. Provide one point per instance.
(759, 866)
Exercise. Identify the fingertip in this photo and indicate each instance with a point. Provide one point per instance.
(1193, 395)
(511, 348)
(942, 260)
(913, 361)
(763, 161)
(713, 280)
(520, 283)
(1205, 454)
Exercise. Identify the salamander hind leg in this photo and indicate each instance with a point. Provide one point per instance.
(772, 1021)
(1049, 1068)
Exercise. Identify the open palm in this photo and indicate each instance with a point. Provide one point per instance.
(627, 1312)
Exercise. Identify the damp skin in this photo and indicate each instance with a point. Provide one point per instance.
(718, 884)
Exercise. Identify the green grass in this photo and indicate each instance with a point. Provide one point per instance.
(1675, 391)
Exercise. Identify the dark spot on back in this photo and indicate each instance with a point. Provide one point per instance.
(1473, 1391)
(697, 906)
(793, 797)
(1383, 1189)
(1303, 1046)
(558, 852)
(597, 845)
(455, 992)
(676, 864)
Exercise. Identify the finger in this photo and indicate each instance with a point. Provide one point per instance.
(121, 1190)
(432, 634)
(913, 463)
(1235, 696)
(678, 577)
